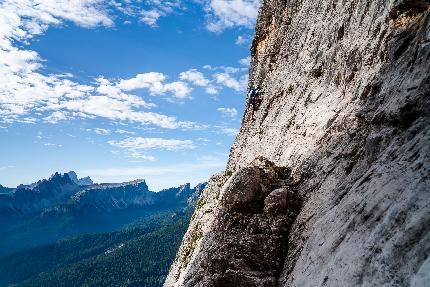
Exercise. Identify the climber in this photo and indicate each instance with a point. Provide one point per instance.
(255, 98)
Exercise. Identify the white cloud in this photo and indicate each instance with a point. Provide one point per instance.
(230, 13)
(6, 167)
(229, 131)
(245, 61)
(56, 117)
(22, 19)
(179, 89)
(211, 90)
(150, 17)
(155, 9)
(230, 77)
(124, 132)
(229, 70)
(136, 147)
(227, 80)
(115, 109)
(209, 158)
(141, 143)
(243, 39)
(151, 80)
(52, 144)
(103, 132)
(201, 139)
(154, 82)
(24, 92)
(231, 112)
(140, 156)
(105, 87)
(195, 77)
(198, 79)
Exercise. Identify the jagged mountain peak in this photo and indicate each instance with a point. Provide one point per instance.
(80, 181)
(73, 176)
(33, 198)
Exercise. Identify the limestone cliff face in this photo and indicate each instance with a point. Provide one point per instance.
(329, 183)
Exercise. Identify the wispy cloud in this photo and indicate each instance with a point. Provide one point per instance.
(225, 14)
(245, 61)
(244, 39)
(157, 9)
(52, 144)
(56, 116)
(194, 76)
(198, 79)
(124, 132)
(141, 143)
(230, 112)
(226, 79)
(235, 78)
(150, 17)
(138, 147)
(229, 131)
(137, 155)
(103, 132)
(6, 167)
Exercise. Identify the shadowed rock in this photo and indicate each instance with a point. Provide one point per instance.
(247, 240)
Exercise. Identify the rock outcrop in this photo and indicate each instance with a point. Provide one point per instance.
(345, 117)
(30, 199)
(246, 215)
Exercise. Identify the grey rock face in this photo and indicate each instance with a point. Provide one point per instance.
(109, 197)
(38, 196)
(240, 232)
(346, 97)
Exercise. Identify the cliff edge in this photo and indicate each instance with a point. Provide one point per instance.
(328, 181)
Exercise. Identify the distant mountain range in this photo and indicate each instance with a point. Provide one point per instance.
(65, 205)
(27, 199)
(66, 193)
(4, 189)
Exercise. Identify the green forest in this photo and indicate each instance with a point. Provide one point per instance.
(140, 255)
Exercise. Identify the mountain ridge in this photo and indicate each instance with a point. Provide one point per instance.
(68, 189)
(57, 207)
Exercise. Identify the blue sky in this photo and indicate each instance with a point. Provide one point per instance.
(119, 90)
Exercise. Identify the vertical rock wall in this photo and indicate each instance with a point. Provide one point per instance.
(345, 110)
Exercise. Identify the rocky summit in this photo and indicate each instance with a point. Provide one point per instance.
(328, 182)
